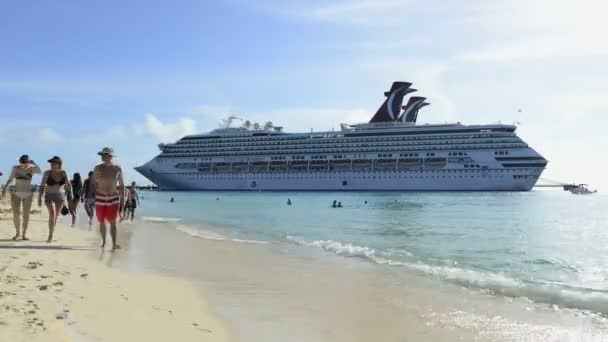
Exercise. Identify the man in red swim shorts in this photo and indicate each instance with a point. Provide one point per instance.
(109, 194)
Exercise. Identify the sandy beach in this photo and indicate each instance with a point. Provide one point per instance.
(65, 291)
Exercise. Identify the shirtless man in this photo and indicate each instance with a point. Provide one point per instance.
(88, 197)
(132, 201)
(109, 194)
(23, 195)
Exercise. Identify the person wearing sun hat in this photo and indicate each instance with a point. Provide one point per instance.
(54, 184)
(109, 194)
(23, 195)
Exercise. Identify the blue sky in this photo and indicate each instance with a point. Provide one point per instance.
(79, 75)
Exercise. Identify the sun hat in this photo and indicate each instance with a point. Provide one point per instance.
(106, 150)
(55, 159)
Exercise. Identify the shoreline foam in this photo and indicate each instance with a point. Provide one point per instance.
(563, 296)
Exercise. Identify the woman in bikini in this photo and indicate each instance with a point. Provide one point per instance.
(76, 183)
(23, 195)
(53, 181)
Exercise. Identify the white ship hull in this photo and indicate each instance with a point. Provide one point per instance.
(442, 180)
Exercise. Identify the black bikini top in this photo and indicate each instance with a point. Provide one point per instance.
(51, 181)
(23, 174)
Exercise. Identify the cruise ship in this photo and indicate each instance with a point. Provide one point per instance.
(390, 152)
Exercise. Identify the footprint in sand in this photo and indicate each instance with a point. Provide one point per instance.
(33, 265)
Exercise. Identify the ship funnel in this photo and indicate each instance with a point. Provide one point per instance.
(389, 110)
(410, 110)
(423, 104)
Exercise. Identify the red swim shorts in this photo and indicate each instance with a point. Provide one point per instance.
(107, 212)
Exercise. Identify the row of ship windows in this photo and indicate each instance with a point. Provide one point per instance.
(305, 140)
(370, 177)
(185, 153)
(361, 177)
(483, 172)
(382, 143)
(389, 155)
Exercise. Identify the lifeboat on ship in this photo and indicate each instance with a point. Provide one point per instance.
(203, 167)
(385, 164)
(221, 167)
(435, 162)
(278, 166)
(318, 165)
(406, 163)
(259, 166)
(339, 164)
(240, 167)
(298, 166)
(362, 165)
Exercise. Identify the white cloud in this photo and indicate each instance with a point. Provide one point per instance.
(523, 30)
(49, 136)
(166, 132)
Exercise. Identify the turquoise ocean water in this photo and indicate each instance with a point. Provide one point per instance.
(548, 246)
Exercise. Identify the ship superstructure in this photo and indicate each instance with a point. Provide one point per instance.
(391, 152)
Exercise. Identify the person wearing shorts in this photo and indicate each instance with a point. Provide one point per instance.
(132, 201)
(109, 194)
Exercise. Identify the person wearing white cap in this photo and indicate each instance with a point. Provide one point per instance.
(109, 194)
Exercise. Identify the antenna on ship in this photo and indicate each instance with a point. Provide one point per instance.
(228, 121)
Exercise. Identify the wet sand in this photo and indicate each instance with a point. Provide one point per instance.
(275, 292)
(65, 291)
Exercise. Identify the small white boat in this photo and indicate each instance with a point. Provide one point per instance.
(581, 189)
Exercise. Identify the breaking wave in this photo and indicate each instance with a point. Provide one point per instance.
(208, 235)
(556, 295)
(158, 219)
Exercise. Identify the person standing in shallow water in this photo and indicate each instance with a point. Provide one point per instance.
(76, 193)
(109, 194)
(23, 196)
(132, 201)
(53, 181)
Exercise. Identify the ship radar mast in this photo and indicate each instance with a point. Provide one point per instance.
(227, 122)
